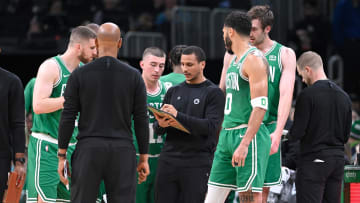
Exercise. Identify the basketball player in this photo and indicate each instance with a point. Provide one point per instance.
(43, 180)
(177, 76)
(152, 65)
(244, 144)
(29, 112)
(282, 66)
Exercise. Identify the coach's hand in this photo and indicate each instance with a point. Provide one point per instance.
(19, 169)
(64, 173)
(143, 168)
(163, 121)
(170, 109)
(239, 155)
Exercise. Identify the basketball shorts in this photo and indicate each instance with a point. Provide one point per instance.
(42, 176)
(273, 171)
(252, 175)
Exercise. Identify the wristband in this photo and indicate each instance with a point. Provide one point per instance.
(21, 160)
(61, 155)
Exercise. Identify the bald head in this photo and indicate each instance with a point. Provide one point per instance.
(108, 40)
(109, 32)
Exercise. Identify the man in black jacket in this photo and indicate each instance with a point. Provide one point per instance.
(108, 94)
(322, 123)
(185, 161)
(12, 130)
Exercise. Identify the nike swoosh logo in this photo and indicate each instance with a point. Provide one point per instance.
(65, 76)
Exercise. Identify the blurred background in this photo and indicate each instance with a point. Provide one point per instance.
(33, 30)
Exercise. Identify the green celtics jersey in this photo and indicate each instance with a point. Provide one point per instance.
(238, 106)
(355, 130)
(172, 79)
(48, 123)
(28, 92)
(155, 141)
(275, 68)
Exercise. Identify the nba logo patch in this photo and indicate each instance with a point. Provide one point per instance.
(46, 148)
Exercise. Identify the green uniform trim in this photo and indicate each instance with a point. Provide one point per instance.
(238, 105)
(273, 56)
(28, 93)
(48, 123)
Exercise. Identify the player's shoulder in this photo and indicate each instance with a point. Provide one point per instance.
(287, 52)
(255, 58)
(49, 64)
(164, 78)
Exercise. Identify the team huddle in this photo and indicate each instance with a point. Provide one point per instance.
(93, 136)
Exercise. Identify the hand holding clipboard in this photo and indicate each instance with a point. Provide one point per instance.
(166, 117)
(15, 186)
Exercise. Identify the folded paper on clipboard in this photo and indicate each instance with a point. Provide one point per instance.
(162, 113)
(13, 193)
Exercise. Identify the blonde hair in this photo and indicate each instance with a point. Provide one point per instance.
(81, 33)
(310, 59)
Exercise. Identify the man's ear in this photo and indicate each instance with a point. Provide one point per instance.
(202, 63)
(141, 63)
(120, 43)
(267, 29)
(230, 31)
(78, 47)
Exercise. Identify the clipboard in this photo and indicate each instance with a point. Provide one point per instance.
(13, 193)
(162, 113)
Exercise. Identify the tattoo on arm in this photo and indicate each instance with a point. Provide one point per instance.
(246, 198)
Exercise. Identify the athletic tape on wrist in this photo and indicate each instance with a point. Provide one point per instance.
(261, 102)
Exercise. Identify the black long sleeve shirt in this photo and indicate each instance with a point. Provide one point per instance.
(107, 93)
(200, 109)
(322, 121)
(12, 114)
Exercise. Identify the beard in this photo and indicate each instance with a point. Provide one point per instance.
(83, 59)
(259, 40)
(228, 44)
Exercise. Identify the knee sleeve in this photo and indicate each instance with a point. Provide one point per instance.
(216, 194)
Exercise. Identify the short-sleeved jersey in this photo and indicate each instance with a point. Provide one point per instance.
(238, 106)
(155, 141)
(48, 123)
(275, 70)
(28, 93)
(172, 79)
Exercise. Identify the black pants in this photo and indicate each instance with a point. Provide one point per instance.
(4, 169)
(180, 184)
(105, 160)
(319, 181)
